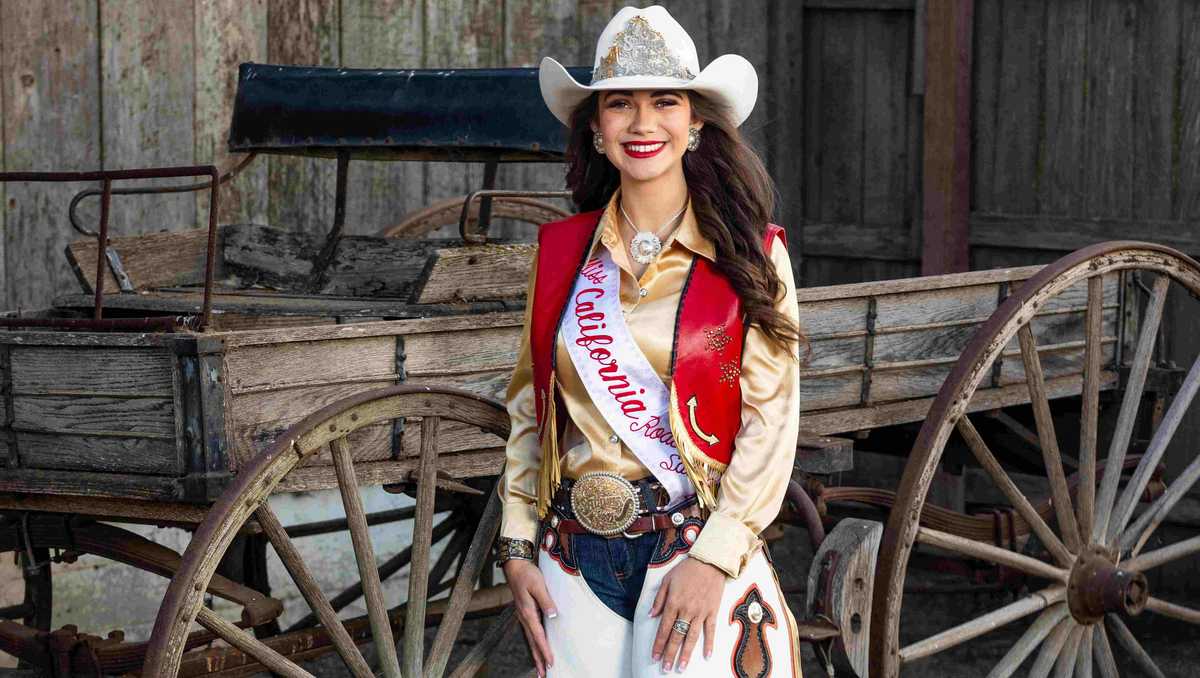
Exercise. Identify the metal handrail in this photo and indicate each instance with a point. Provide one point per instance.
(106, 179)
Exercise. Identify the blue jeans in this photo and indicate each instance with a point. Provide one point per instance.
(615, 568)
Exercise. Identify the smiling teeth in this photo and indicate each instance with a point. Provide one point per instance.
(645, 148)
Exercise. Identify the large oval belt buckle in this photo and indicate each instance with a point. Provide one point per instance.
(604, 503)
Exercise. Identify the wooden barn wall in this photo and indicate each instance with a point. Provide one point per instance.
(1095, 126)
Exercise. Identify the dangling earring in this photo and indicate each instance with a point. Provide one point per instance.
(693, 138)
(598, 142)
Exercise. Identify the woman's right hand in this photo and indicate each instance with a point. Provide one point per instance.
(532, 601)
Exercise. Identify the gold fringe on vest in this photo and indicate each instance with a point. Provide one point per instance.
(704, 471)
(550, 473)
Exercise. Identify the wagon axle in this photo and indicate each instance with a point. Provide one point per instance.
(1097, 586)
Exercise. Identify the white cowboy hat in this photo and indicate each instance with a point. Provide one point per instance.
(648, 49)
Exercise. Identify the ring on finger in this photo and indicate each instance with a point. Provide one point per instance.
(681, 626)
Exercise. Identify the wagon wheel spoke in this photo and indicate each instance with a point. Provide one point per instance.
(1169, 609)
(1164, 555)
(1047, 438)
(418, 583)
(477, 658)
(1064, 667)
(1083, 660)
(1129, 407)
(472, 565)
(1132, 647)
(1051, 649)
(1029, 641)
(960, 634)
(1019, 501)
(1093, 355)
(1106, 664)
(304, 580)
(364, 555)
(992, 554)
(247, 643)
(390, 567)
(1136, 535)
(1154, 453)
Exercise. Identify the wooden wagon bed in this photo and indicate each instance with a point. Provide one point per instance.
(169, 417)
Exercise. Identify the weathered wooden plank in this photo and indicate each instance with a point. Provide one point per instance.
(890, 414)
(476, 272)
(383, 34)
(834, 353)
(154, 456)
(50, 482)
(51, 107)
(301, 190)
(271, 367)
(884, 241)
(824, 393)
(109, 371)
(782, 85)
(1064, 234)
(842, 113)
(534, 29)
(1019, 104)
(985, 113)
(150, 260)
(934, 306)
(915, 284)
(386, 328)
(885, 181)
(377, 267)
(836, 316)
(743, 28)
(1109, 157)
(492, 384)
(135, 417)
(1187, 202)
(262, 256)
(812, 44)
(228, 32)
(462, 352)
(460, 34)
(1061, 189)
(147, 88)
(1155, 62)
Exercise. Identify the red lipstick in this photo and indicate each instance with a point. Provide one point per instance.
(643, 154)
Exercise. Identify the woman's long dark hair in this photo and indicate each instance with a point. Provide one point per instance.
(733, 198)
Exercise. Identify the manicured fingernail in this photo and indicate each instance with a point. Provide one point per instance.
(656, 656)
(666, 667)
(708, 654)
(552, 614)
(681, 667)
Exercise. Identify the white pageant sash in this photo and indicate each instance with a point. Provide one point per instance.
(623, 385)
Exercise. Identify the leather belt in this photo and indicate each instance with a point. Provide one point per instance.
(648, 523)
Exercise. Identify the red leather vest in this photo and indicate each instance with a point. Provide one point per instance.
(706, 398)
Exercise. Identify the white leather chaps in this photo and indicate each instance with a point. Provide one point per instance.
(755, 635)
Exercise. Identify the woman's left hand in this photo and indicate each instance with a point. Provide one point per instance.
(691, 592)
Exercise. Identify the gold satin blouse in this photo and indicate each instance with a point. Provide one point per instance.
(752, 487)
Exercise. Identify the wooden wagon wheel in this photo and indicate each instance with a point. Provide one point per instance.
(1090, 568)
(245, 500)
(448, 211)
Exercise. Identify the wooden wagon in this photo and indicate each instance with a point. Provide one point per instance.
(297, 390)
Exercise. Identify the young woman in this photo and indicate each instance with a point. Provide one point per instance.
(654, 404)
